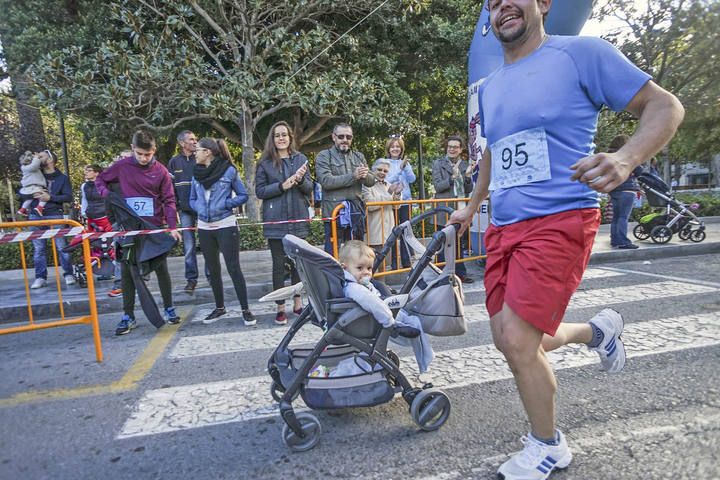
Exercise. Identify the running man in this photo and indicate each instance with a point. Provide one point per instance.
(539, 114)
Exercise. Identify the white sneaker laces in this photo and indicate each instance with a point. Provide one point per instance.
(532, 454)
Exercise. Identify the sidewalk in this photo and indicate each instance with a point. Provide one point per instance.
(257, 268)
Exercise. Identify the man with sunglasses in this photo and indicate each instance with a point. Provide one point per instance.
(342, 172)
(58, 192)
(539, 113)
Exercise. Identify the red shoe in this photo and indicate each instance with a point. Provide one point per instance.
(281, 318)
(39, 210)
(115, 292)
(23, 212)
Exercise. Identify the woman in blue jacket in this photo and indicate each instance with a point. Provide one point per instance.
(283, 183)
(215, 179)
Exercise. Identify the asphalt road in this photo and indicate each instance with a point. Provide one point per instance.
(193, 401)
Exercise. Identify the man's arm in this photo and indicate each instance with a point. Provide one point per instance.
(64, 195)
(167, 198)
(660, 114)
(109, 175)
(480, 193)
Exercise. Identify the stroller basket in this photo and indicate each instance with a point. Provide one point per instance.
(361, 390)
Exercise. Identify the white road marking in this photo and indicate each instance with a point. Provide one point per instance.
(253, 339)
(191, 406)
(671, 427)
(622, 271)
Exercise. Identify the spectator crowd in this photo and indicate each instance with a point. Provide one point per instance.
(199, 191)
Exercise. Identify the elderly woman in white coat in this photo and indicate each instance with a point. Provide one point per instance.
(381, 219)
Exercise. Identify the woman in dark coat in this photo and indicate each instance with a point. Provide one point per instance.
(283, 183)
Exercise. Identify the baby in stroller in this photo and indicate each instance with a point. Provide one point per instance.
(350, 332)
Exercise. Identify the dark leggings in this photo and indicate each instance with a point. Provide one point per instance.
(278, 266)
(128, 285)
(227, 241)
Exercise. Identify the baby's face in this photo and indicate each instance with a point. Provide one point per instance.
(361, 270)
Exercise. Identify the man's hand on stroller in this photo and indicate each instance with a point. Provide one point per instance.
(464, 217)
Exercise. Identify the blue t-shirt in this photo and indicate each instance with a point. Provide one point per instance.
(561, 87)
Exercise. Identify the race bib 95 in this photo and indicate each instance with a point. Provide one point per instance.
(519, 159)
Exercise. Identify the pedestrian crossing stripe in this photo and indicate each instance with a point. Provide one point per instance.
(246, 340)
(244, 399)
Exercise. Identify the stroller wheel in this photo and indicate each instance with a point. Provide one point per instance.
(311, 429)
(430, 409)
(661, 234)
(640, 232)
(685, 232)
(697, 236)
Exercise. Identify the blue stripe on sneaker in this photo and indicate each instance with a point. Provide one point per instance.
(546, 464)
(550, 459)
(542, 469)
(610, 352)
(610, 344)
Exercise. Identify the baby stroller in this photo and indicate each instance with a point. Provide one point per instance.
(676, 217)
(349, 332)
(102, 255)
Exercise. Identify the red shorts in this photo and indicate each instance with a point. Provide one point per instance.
(535, 265)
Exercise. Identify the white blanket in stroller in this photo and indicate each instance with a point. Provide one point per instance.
(370, 300)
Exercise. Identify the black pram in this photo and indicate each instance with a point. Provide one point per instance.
(676, 217)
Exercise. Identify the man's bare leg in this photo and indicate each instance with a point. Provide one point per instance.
(567, 333)
(520, 342)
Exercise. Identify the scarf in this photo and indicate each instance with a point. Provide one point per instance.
(207, 176)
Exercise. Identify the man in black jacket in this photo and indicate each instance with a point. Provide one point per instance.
(58, 192)
(181, 169)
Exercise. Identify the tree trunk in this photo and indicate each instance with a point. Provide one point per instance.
(667, 164)
(32, 132)
(248, 160)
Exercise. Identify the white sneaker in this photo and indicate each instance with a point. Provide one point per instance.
(611, 349)
(38, 283)
(69, 280)
(537, 460)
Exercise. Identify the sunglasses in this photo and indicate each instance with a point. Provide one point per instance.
(344, 137)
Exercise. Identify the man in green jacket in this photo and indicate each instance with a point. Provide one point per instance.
(342, 172)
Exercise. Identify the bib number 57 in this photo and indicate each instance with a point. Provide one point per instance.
(519, 157)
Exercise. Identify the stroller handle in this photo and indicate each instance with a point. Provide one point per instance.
(397, 232)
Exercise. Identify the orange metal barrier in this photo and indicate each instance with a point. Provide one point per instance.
(91, 319)
(417, 207)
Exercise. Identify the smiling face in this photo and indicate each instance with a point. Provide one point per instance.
(454, 149)
(395, 150)
(381, 170)
(342, 137)
(188, 144)
(281, 137)
(514, 20)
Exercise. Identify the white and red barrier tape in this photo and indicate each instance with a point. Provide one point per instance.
(80, 231)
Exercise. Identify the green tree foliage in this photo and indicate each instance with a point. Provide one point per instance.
(677, 42)
(227, 64)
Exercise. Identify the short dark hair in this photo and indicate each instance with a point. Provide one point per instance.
(94, 167)
(455, 138)
(143, 139)
(339, 126)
